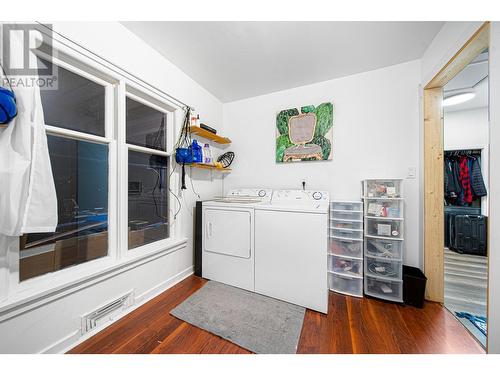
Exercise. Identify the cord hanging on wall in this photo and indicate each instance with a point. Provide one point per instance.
(183, 152)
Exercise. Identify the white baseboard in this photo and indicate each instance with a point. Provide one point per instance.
(74, 339)
(61, 345)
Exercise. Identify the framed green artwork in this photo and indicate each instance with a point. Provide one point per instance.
(304, 134)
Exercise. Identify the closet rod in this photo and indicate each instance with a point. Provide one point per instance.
(463, 152)
(117, 69)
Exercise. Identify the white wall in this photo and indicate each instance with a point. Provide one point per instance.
(466, 129)
(44, 327)
(375, 134)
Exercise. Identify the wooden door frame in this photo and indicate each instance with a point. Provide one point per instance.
(433, 161)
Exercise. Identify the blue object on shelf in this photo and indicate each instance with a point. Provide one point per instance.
(197, 153)
(183, 155)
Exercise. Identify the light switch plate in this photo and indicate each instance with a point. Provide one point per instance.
(412, 173)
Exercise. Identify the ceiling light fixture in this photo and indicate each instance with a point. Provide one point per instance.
(458, 98)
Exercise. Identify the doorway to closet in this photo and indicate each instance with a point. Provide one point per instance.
(466, 155)
(435, 257)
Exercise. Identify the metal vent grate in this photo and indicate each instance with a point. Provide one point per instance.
(106, 313)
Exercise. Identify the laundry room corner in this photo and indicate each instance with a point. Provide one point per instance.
(375, 125)
(249, 179)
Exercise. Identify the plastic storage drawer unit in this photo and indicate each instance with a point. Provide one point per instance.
(346, 248)
(390, 208)
(347, 206)
(384, 228)
(383, 268)
(384, 289)
(346, 215)
(382, 248)
(346, 285)
(344, 224)
(345, 266)
(346, 233)
(383, 188)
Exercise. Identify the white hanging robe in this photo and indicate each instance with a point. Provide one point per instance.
(28, 201)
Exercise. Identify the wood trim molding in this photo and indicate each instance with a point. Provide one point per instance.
(470, 50)
(434, 193)
(433, 161)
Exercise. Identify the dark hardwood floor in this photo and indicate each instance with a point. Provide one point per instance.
(352, 326)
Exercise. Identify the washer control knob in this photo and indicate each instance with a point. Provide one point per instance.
(317, 195)
(262, 193)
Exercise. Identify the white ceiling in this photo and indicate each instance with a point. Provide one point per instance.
(472, 78)
(237, 60)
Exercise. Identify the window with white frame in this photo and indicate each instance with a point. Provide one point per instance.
(148, 208)
(84, 131)
(78, 141)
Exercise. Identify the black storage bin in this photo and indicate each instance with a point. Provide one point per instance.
(414, 282)
(449, 221)
(470, 235)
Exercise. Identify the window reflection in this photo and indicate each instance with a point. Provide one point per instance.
(145, 126)
(80, 172)
(147, 198)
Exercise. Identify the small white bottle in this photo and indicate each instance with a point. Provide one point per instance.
(207, 153)
(192, 120)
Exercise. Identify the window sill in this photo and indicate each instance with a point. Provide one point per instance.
(39, 291)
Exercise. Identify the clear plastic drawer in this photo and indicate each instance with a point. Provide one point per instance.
(383, 268)
(349, 248)
(382, 248)
(346, 215)
(384, 289)
(384, 228)
(384, 208)
(346, 233)
(345, 266)
(342, 224)
(383, 188)
(347, 206)
(346, 285)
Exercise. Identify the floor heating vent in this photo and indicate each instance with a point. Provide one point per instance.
(106, 313)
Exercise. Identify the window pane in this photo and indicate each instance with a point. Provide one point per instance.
(147, 198)
(80, 172)
(145, 126)
(77, 104)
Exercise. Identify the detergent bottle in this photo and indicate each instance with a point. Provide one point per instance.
(196, 151)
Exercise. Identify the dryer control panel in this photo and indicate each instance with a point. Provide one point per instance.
(306, 197)
(262, 194)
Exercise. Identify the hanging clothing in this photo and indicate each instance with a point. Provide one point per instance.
(465, 180)
(477, 182)
(452, 184)
(446, 180)
(456, 177)
(28, 201)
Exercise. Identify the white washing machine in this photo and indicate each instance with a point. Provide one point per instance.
(291, 234)
(228, 250)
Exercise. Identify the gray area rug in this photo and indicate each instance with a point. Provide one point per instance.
(258, 323)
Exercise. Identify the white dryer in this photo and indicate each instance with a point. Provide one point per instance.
(228, 250)
(291, 248)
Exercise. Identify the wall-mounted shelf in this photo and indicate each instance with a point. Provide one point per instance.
(210, 167)
(208, 135)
